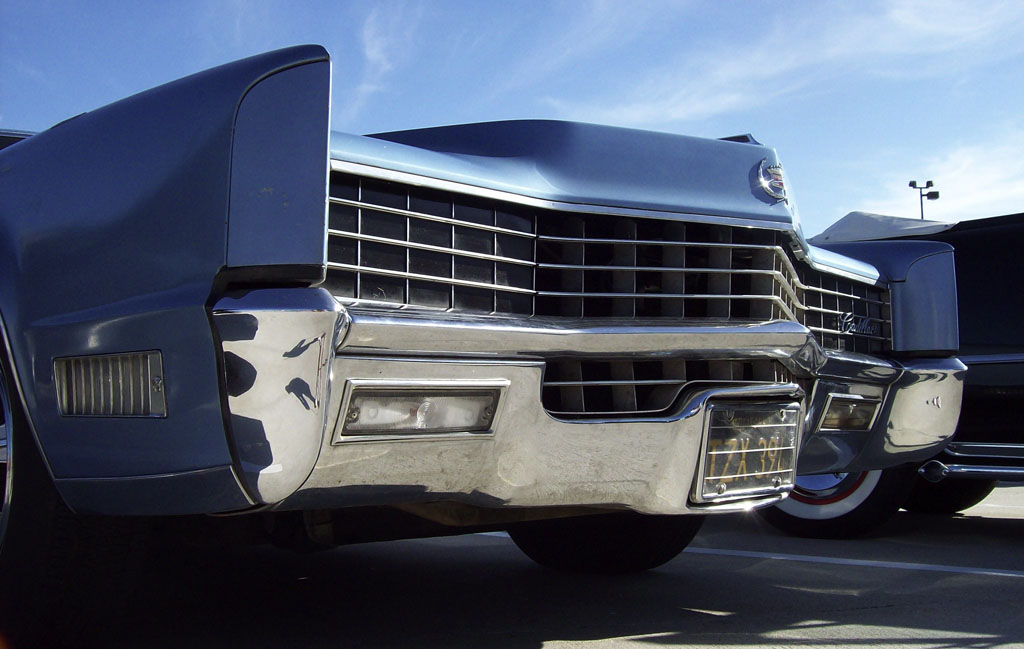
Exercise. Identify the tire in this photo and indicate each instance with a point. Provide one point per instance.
(841, 505)
(947, 497)
(58, 572)
(606, 544)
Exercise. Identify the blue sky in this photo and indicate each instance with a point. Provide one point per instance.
(858, 98)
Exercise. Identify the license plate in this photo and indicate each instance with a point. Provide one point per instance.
(749, 449)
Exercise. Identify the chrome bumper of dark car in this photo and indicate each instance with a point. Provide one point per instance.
(977, 461)
(936, 471)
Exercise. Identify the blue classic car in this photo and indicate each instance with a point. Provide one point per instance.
(588, 336)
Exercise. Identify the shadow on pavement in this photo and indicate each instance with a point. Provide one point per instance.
(480, 592)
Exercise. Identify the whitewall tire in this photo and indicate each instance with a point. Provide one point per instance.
(841, 505)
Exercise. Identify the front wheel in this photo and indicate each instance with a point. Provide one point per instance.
(57, 570)
(607, 543)
(841, 505)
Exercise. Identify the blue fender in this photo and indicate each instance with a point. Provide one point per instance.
(119, 227)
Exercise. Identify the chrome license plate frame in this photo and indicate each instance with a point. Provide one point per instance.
(748, 449)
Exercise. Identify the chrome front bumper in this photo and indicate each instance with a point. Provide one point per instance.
(289, 370)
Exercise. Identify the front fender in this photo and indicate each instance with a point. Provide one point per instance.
(114, 226)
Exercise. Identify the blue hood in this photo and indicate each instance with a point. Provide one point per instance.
(582, 163)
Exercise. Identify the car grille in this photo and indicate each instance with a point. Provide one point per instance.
(580, 389)
(404, 245)
(845, 315)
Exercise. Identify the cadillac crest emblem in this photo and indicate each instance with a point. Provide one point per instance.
(772, 181)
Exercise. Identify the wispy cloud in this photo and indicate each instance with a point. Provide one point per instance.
(386, 37)
(974, 181)
(594, 29)
(904, 38)
(228, 29)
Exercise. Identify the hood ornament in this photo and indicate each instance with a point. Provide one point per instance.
(772, 181)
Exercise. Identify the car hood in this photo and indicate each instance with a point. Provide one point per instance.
(570, 162)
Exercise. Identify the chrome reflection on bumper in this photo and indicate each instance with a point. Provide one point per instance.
(918, 416)
(397, 331)
(277, 347)
(281, 348)
(925, 405)
(530, 459)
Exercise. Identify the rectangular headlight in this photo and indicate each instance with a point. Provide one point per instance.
(849, 412)
(414, 410)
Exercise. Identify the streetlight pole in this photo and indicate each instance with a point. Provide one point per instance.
(932, 195)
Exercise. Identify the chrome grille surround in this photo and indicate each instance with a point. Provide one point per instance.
(412, 245)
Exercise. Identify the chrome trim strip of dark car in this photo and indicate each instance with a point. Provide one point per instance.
(971, 449)
(991, 359)
(936, 471)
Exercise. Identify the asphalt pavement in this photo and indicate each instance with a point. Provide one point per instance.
(920, 582)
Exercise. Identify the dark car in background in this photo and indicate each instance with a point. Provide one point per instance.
(988, 445)
(989, 441)
(7, 138)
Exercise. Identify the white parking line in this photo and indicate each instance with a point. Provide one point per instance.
(992, 572)
(866, 563)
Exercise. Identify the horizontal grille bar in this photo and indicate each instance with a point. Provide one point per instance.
(625, 388)
(660, 269)
(855, 298)
(837, 332)
(428, 278)
(660, 296)
(564, 384)
(410, 245)
(430, 217)
(429, 248)
(659, 242)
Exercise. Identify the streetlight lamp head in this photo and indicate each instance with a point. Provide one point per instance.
(933, 195)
